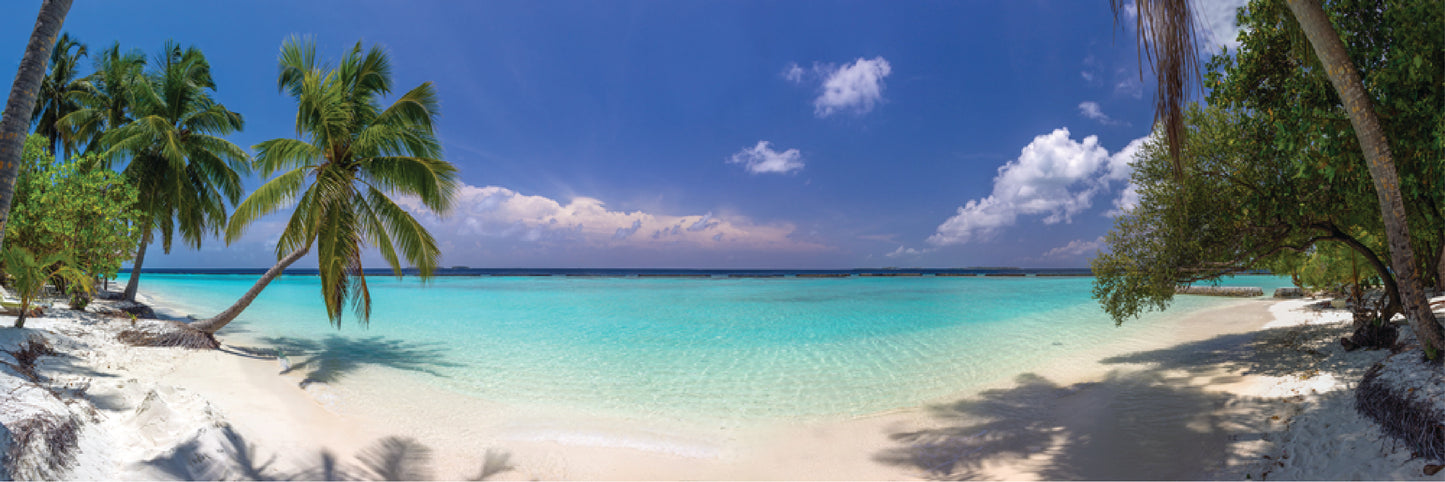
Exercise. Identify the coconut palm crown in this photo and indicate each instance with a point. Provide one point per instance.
(350, 154)
(104, 97)
(56, 99)
(177, 156)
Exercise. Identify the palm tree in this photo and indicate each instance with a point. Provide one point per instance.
(56, 93)
(177, 159)
(349, 156)
(1166, 36)
(104, 97)
(15, 120)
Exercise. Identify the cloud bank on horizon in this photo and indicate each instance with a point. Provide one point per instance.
(502, 222)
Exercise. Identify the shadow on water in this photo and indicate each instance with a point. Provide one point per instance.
(390, 458)
(329, 359)
(1157, 421)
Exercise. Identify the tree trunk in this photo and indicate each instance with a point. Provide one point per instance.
(1341, 71)
(133, 284)
(1440, 266)
(20, 320)
(217, 322)
(1392, 288)
(21, 104)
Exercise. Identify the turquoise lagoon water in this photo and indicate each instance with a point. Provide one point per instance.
(727, 348)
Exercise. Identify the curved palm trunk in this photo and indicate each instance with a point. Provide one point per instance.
(21, 103)
(133, 284)
(217, 322)
(1341, 71)
(1392, 287)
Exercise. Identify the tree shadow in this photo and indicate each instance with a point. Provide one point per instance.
(1149, 422)
(329, 359)
(390, 458)
(1130, 426)
(1272, 352)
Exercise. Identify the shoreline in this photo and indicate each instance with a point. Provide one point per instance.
(1223, 381)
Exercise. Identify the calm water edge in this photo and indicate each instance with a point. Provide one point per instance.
(733, 348)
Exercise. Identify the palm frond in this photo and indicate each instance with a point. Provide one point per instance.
(284, 155)
(268, 198)
(1167, 40)
(417, 245)
(431, 180)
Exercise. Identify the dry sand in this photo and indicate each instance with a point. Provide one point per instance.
(1257, 388)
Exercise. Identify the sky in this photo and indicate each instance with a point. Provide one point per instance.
(703, 134)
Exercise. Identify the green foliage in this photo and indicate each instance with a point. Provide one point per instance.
(1332, 268)
(351, 155)
(175, 153)
(1237, 208)
(55, 97)
(1274, 175)
(60, 207)
(28, 275)
(104, 97)
(1399, 48)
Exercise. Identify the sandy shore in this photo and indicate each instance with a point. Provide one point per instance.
(1256, 389)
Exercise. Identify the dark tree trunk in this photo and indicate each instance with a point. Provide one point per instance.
(219, 321)
(1341, 71)
(1440, 266)
(133, 284)
(21, 103)
(1392, 287)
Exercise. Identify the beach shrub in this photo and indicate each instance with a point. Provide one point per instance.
(63, 207)
(28, 275)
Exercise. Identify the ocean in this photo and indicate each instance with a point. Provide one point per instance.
(690, 345)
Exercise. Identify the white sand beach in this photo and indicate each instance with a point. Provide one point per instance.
(1259, 389)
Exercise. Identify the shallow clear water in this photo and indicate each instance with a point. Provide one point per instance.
(727, 348)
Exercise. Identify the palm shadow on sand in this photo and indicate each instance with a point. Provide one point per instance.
(329, 359)
(1150, 420)
(389, 458)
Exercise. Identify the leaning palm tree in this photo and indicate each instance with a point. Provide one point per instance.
(351, 155)
(176, 155)
(1166, 36)
(15, 120)
(104, 97)
(56, 94)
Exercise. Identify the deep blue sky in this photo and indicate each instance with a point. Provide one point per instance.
(600, 134)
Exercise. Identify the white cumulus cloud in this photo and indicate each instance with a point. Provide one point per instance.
(1054, 176)
(855, 87)
(1093, 111)
(794, 73)
(1075, 248)
(762, 159)
(1126, 201)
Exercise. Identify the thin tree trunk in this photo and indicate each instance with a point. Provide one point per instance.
(1392, 287)
(1341, 71)
(133, 285)
(1440, 266)
(21, 104)
(219, 321)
